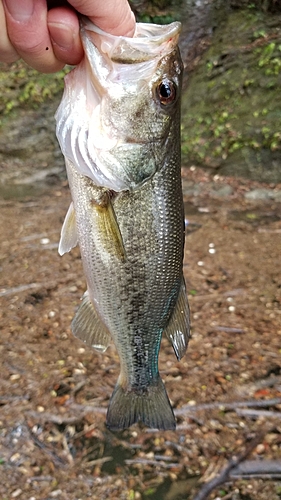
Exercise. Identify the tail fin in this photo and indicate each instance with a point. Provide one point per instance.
(150, 406)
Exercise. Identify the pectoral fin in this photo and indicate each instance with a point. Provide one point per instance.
(178, 329)
(68, 238)
(113, 241)
(87, 326)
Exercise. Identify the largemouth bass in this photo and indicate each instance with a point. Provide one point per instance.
(119, 129)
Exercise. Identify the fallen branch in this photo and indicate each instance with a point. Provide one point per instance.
(226, 473)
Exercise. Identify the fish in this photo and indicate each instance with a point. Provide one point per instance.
(118, 125)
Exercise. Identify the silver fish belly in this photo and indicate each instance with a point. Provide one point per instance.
(127, 211)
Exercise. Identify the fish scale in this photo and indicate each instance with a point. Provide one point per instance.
(131, 239)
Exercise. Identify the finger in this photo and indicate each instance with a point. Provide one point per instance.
(63, 27)
(7, 52)
(113, 16)
(28, 33)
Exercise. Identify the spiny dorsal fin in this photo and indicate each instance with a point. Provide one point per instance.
(68, 238)
(87, 326)
(178, 329)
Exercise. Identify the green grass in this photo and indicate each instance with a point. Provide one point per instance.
(22, 86)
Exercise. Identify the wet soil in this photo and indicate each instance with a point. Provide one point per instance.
(225, 392)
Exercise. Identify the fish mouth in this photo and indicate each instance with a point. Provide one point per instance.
(136, 142)
(148, 42)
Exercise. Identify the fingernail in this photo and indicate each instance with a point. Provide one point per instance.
(61, 35)
(20, 11)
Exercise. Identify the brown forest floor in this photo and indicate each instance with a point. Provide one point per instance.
(54, 392)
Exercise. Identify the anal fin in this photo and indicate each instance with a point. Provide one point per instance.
(178, 329)
(87, 326)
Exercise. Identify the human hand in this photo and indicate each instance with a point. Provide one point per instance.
(46, 34)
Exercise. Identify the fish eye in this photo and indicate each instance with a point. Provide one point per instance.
(166, 92)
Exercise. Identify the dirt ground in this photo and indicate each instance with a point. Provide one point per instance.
(226, 392)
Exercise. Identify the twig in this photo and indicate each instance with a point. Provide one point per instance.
(270, 381)
(265, 230)
(97, 461)
(179, 428)
(163, 458)
(67, 450)
(155, 463)
(5, 400)
(227, 329)
(78, 387)
(258, 413)
(225, 474)
(55, 419)
(64, 420)
(39, 478)
(86, 430)
(55, 458)
(264, 469)
(20, 288)
(228, 496)
(180, 449)
(184, 410)
(205, 491)
(91, 408)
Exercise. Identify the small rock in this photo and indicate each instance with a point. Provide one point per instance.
(55, 493)
(276, 196)
(260, 449)
(259, 194)
(44, 241)
(15, 458)
(16, 493)
(222, 191)
(191, 188)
